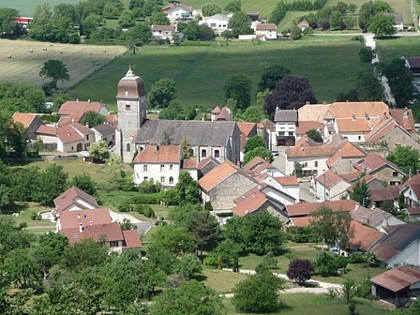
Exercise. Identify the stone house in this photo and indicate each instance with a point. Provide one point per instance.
(222, 185)
(73, 111)
(163, 32)
(221, 114)
(74, 199)
(206, 165)
(330, 186)
(411, 192)
(287, 184)
(105, 133)
(30, 122)
(384, 170)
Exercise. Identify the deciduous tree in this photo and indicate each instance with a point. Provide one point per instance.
(300, 270)
(238, 88)
(271, 75)
(55, 70)
(240, 23)
(315, 135)
(405, 157)
(99, 151)
(361, 194)
(210, 9)
(85, 183)
(92, 119)
(382, 25)
(254, 142)
(259, 151)
(162, 93)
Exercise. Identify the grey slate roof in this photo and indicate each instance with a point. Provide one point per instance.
(195, 132)
(105, 129)
(287, 115)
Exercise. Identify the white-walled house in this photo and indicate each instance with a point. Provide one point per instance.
(330, 186)
(161, 163)
(286, 121)
(266, 31)
(163, 32)
(218, 22)
(178, 12)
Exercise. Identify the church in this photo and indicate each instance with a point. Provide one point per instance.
(218, 139)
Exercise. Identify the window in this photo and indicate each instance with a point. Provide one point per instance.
(216, 153)
(127, 105)
(394, 174)
(128, 147)
(162, 168)
(203, 153)
(144, 168)
(316, 163)
(87, 137)
(72, 148)
(162, 180)
(171, 180)
(171, 167)
(145, 178)
(113, 244)
(359, 137)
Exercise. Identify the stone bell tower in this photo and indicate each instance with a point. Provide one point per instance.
(131, 102)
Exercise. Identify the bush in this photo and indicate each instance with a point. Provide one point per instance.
(208, 206)
(211, 262)
(357, 258)
(365, 54)
(145, 210)
(300, 270)
(125, 206)
(300, 234)
(327, 263)
(152, 199)
(34, 215)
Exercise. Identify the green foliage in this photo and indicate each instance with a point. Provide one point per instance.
(300, 270)
(271, 75)
(149, 186)
(174, 239)
(195, 32)
(86, 253)
(260, 233)
(126, 19)
(12, 138)
(315, 135)
(188, 267)
(254, 114)
(349, 290)
(136, 36)
(49, 251)
(413, 309)
(258, 294)
(298, 170)
(331, 227)
(9, 28)
(238, 88)
(240, 24)
(187, 189)
(162, 93)
(406, 158)
(209, 9)
(52, 182)
(304, 234)
(92, 119)
(382, 25)
(16, 97)
(259, 151)
(99, 151)
(369, 10)
(21, 268)
(368, 87)
(145, 210)
(366, 54)
(233, 6)
(254, 142)
(327, 263)
(278, 13)
(127, 225)
(191, 297)
(159, 18)
(85, 183)
(400, 81)
(361, 193)
(295, 33)
(55, 70)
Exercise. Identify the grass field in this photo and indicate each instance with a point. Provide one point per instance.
(200, 72)
(398, 47)
(310, 304)
(290, 19)
(24, 66)
(222, 281)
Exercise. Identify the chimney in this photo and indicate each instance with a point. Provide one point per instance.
(405, 115)
(90, 222)
(78, 216)
(367, 117)
(72, 120)
(353, 117)
(77, 99)
(80, 227)
(88, 100)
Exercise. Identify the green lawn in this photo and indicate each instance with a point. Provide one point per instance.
(356, 272)
(222, 281)
(319, 59)
(310, 304)
(398, 47)
(290, 19)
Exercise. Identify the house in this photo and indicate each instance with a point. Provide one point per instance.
(354, 128)
(397, 285)
(401, 245)
(73, 111)
(258, 166)
(342, 160)
(219, 139)
(287, 184)
(404, 117)
(163, 32)
(104, 132)
(363, 237)
(385, 196)
(286, 122)
(24, 21)
(374, 217)
(411, 192)
(97, 224)
(247, 130)
(223, 184)
(384, 170)
(330, 186)
(303, 25)
(218, 22)
(30, 122)
(162, 163)
(206, 165)
(221, 114)
(413, 213)
(301, 214)
(74, 199)
(304, 126)
(398, 20)
(371, 182)
(177, 11)
(266, 31)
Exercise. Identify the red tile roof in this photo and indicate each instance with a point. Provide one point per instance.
(71, 196)
(207, 160)
(75, 107)
(72, 133)
(245, 128)
(359, 109)
(346, 150)
(154, 153)
(109, 232)
(24, 118)
(287, 180)
(398, 278)
(413, 211)
(74, 219)
(249, 202)
(358, 124)
(267, 124)
(303, 209)
(257, 165)
(328, 179)
(316, 151)
(189, 164)
(415, 180)
(171, 6)
(217, 175)
(131, 239)
(301, 221)
(266, 27)
(364, 237)
(404, 117)
(305, 126)
(373, 162)
(47, 130)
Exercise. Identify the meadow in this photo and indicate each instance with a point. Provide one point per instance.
(331, 65)
(21, 61)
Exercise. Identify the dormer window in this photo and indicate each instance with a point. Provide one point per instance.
(127, 105)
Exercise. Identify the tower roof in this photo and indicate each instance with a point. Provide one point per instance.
(131, 86)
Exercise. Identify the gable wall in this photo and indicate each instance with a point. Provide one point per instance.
(409, 256)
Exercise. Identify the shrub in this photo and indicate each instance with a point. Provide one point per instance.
(152, 199)
(145, 210)
(365, 54)
(357, 258)
(300, 270)
(34, 215)
(327, 263)
(125, 206)
(211, 262)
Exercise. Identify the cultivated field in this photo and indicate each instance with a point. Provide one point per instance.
(20, 61)
(330, 63)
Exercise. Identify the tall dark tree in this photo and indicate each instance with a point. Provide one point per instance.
(240, 23)
(290, 92)
(238, 88)
(9, 28)
(92, 119)
(271, 75)
(12, 138)
(187, 189)
(300, 270)
(162, 93)
(55, 70)
(361, 194)
(368, 87)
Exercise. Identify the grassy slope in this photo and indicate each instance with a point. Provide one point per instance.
(318, 59)
(398, 47)
(310, 304)
(26, 7)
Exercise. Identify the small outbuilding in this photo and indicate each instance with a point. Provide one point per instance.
(397, 285)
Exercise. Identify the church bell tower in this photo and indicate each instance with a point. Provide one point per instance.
(131, 102)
